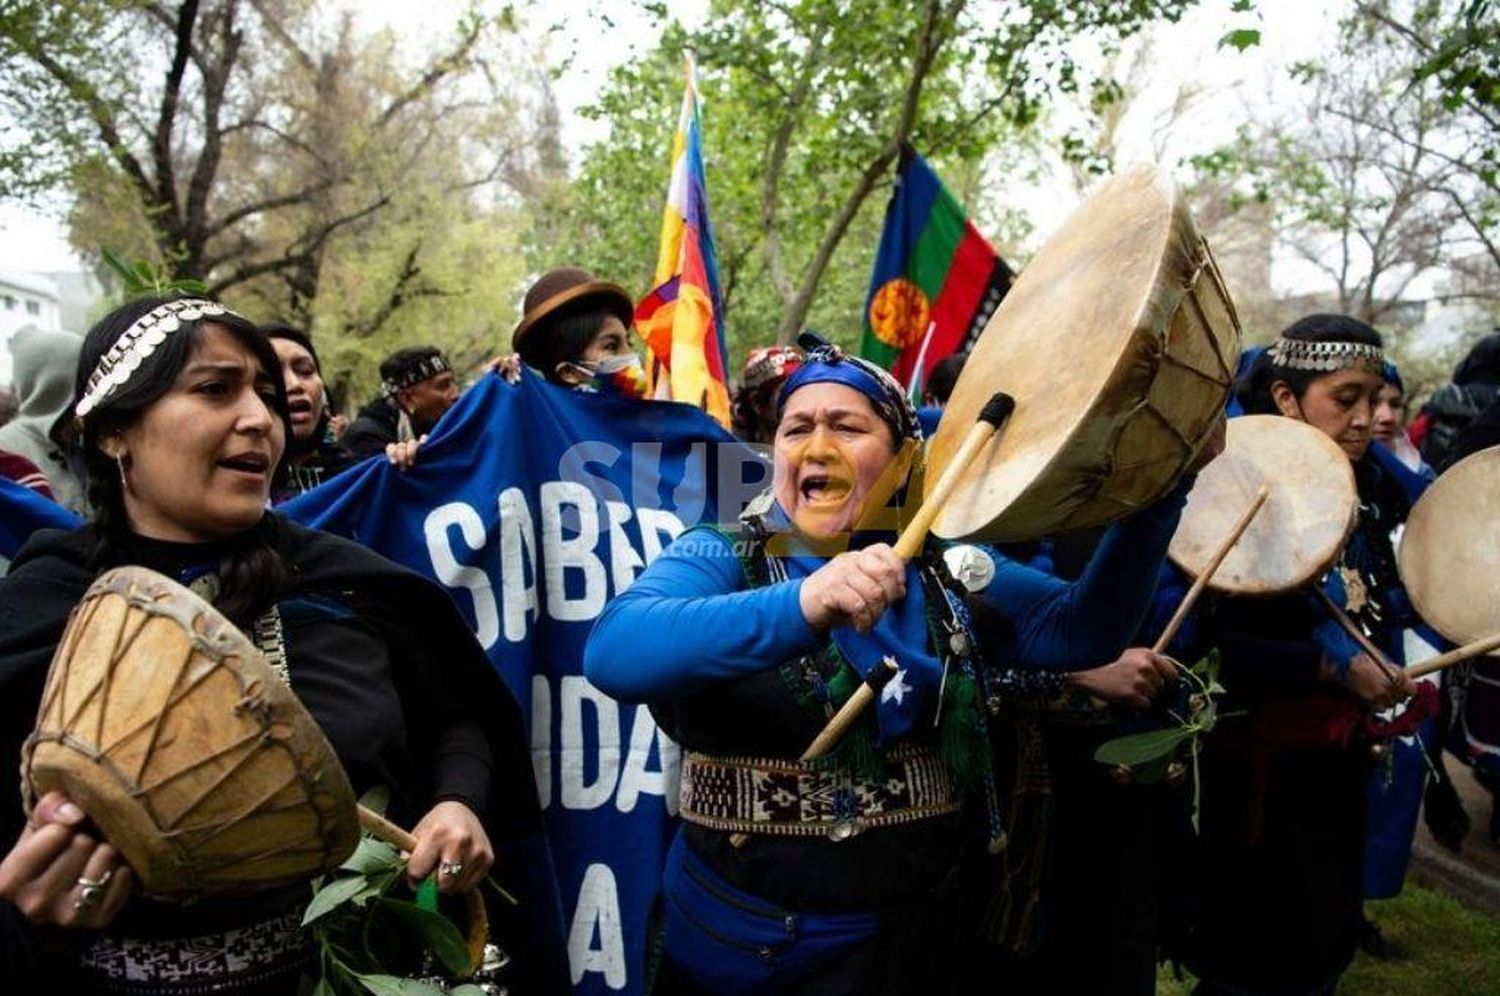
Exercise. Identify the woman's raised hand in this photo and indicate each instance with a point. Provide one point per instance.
(853, 588)
(451, 841)
(58, 875)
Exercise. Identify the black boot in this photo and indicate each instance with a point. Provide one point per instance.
(1444, 812)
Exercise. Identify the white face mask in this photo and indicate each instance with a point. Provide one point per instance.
(623, 375)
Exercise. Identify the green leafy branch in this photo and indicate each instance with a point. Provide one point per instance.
(1158, 755)
(141, 279)
(371, 941)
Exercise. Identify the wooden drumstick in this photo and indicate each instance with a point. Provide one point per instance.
(1456, 656)
(991, 418)
(908, 545)
(1389, 667)
(855, 704)
(479, 919)
(1201, 582)
(840, 722)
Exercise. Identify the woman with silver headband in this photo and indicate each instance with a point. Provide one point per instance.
(842, 874)
(1285, 784)
(183, 415)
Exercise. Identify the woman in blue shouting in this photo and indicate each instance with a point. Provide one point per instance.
(840, 875)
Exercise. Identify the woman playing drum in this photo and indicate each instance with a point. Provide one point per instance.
(184, 418)
(840, 874)
(1284, 787)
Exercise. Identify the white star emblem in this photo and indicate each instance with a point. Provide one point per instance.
(895, 688)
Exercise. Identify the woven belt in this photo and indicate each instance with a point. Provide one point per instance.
(795, 798)
(242, 958)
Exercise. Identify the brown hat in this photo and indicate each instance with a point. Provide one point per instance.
(573, 289)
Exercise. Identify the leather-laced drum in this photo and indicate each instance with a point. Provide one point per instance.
(1118, 343)
(191, 754)
(1310, 509)
(1450, 550)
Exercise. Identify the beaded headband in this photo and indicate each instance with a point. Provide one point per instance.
(120, 362)
(424, 369)
(1301, 354)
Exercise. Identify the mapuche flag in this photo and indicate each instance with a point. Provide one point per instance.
(936, 279)
(682, 319)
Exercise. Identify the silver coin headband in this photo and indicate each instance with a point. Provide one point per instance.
(1300, 354)
(136, 343)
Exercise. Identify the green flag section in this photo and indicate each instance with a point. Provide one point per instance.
(936, 279)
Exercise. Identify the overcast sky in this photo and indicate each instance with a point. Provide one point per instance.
(1232, 81)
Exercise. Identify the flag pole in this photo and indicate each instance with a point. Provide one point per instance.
(914, 380)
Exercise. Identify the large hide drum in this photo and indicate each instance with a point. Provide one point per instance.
(1118, 343)
(191, 754)
(1307, 518)
(1450, 550)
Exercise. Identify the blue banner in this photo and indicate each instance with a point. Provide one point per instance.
(534, 506)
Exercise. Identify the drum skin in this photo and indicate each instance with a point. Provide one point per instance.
(1302, 528)
(1118, 343)
(177, 738)
(1450, 550)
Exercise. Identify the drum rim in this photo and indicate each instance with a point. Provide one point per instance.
(1451, 479)
(1315, 437)
(1175, 225)
(206, 629)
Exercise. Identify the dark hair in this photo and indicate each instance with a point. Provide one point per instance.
(1482, 364)
(399, 363)
(944, 376)
(1254, 389)
(252, 570)
(562, 338)
(279, 330)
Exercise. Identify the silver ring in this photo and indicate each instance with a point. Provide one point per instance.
(450, 869)
(96, 883)
(88, 898)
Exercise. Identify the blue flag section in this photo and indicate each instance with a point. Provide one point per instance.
(534, 505)
(23, 512)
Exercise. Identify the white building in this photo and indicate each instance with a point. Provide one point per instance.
(25, 299)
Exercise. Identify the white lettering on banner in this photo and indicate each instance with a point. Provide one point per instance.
(623, 560)
(571, 533)
(597, 913)
(588, 724)
(518, 596)
(656, 523)
(455, 575)
(635, 779)
(561, 553)
(541, 738)
(576, 791)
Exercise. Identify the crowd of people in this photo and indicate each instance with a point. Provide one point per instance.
(961, 826)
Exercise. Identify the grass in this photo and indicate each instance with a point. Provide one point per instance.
(1445, 949)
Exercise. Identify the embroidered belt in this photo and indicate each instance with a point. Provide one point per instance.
(800, 798)
(226, 962)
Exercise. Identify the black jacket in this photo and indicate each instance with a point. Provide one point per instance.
(372, 429)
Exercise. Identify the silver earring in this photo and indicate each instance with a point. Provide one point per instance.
(120, 462)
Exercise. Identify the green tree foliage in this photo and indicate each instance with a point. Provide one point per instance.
(299, 168)
(1375, 180)
(1452, 53)
(805, 105)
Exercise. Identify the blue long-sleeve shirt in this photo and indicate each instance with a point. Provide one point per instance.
(691, 619)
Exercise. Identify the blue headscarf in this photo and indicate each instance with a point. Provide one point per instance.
(902, 631)
(826, 363)
(1391, 375)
